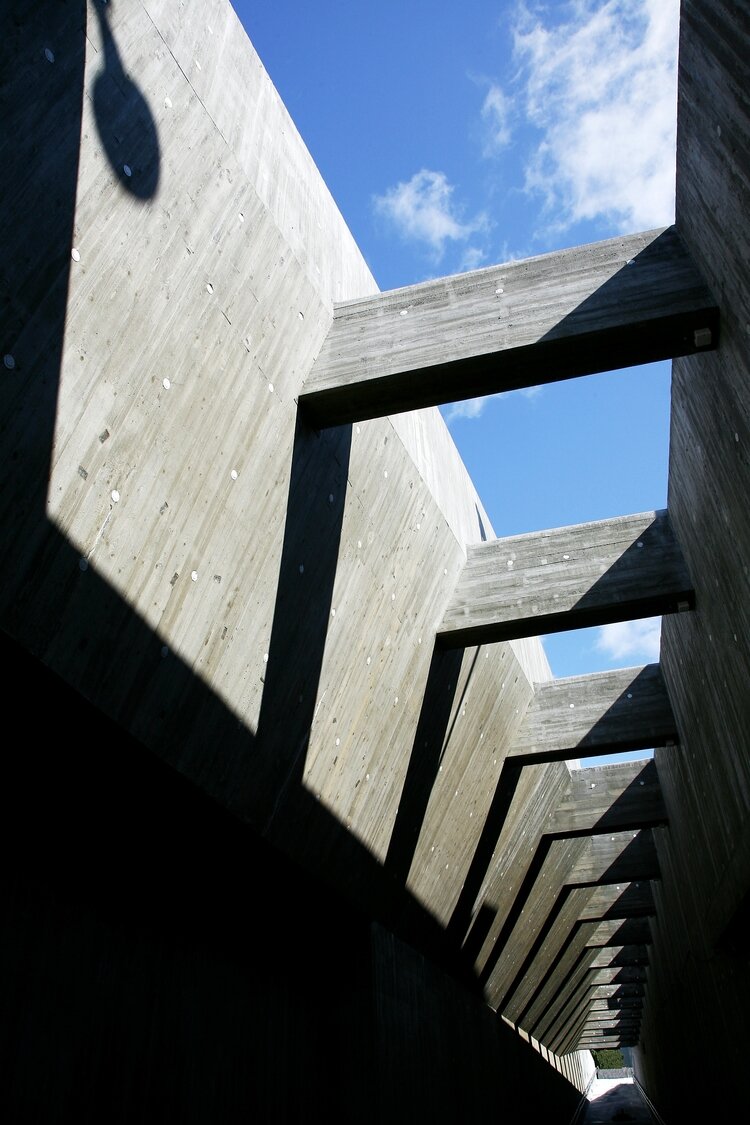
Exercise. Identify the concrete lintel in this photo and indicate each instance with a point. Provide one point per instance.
(567, 578)
(610, 798)
(601, 713)
(599, 307)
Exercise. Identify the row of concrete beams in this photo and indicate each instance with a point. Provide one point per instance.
(611, 570)
(594, 308)
(599, 307)
(593, 862)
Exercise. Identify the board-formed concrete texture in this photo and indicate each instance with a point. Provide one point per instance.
(293, 824)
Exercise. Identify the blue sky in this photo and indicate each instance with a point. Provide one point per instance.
(456, 136)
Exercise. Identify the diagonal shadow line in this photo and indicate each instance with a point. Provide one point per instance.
(502, 799)
(564, 1026)
(598, 740)
(563, 1014)
(572, 987)
(431, 739)
(585, 957)
(618, 871)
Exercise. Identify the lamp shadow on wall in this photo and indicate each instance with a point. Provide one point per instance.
(124, 120)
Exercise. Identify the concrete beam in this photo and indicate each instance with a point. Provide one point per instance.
(630, 931)
(621, 955)
(622, 900)
(599, 307)
(612, 797)
(603, 713)
(615, 857)
(567, 578)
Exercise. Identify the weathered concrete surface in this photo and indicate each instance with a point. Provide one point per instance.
(699, 983)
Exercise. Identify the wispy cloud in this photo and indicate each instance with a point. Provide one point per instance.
(473, 407)
(601, 86)
(630, 639)
(472, 258)
(423, 209)
(469, 408)
(496, 117)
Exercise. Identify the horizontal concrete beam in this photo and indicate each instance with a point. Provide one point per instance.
(621, 955)
(615, 931)
(612, 857)
(622, 900)
(611, 797)
(600, 307)
(567, 578)
(600, 1021)
(602, 713)
(617, 1004)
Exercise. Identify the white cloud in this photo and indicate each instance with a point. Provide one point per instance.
(473, 407)
(602, 88)
(422, 209)
(631, 639)
(496, 110)
(472, 258)
(469, 408)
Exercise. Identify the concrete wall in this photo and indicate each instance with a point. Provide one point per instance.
(699, 987)
(189, 569)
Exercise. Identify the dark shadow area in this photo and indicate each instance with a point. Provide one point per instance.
(124, 120)
(40, 146)
(156, 952)
(430, 742)
(482, 531)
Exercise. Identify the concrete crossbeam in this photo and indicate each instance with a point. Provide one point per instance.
(602, 713)
(599, 307)
(611, 797)
(567, 578)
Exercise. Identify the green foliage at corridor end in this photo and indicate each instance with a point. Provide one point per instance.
(609, 1059)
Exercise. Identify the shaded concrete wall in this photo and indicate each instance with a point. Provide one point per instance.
(695, 1029)
(162, 962)
(201, 575)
